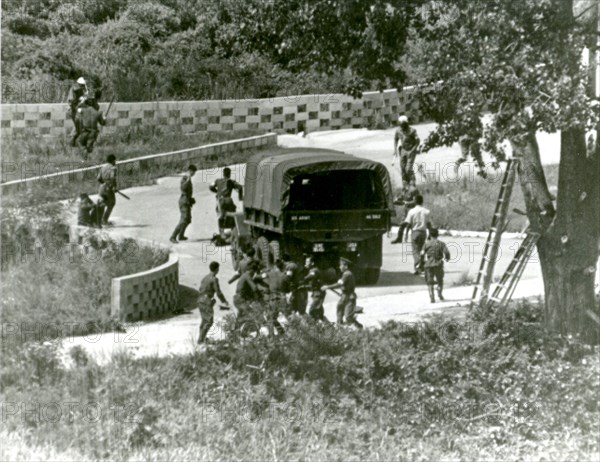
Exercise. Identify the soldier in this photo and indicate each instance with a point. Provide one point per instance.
(246, 295)
(206, 301)
(248, 257)
(406, 145)
(435, 252)
(346, 307)
(186, 201)
(76, 93)
(277, 281)
(89, 117)
(89, 213)
(418, 220)
(407, 198)
(314, 281)
(107, 177)
(223, 189)
(298, 295)
(471, 127)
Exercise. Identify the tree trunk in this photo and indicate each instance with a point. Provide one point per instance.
(568, 246)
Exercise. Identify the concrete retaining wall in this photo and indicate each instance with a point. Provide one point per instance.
(289, 114)
(138, 296)
(148, 294)
(16, 179)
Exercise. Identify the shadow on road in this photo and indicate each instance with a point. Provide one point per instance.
(399, 278)
(188, 298)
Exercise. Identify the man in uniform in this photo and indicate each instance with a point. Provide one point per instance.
(248, 257)
(246, 295)
(406, 145)
(186, 201)
(407, 198)
(206, 301)
(314, 281)
(298, 295)
(88, 213)
(107, 177)
(346, 307)
(223, 188)
(418, 220)
(76, 93)
(435, 253)
(89, 116)
(277, 303)
(470, 127)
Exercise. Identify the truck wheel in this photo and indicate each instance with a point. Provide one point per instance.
(274, 252)
(371, 276)
(262, 251)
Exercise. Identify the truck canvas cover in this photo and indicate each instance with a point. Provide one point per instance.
(268, 178)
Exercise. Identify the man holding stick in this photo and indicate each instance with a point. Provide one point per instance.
(346, 307)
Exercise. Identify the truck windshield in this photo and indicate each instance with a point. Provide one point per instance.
(337, 190)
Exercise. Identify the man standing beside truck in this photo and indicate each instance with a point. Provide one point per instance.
(346, 307)
(223, 188)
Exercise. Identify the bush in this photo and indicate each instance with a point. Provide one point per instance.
(321, 392)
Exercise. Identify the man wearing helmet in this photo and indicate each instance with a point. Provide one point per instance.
(406, 145)
(76, 93)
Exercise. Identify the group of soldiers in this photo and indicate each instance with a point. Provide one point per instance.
(85, 113)
(262, 294)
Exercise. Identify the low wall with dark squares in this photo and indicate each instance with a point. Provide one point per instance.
(15, 180)
(148, 294)
(288, 114)
(136, 297)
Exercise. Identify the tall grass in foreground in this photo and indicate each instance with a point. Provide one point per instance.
(483, 389)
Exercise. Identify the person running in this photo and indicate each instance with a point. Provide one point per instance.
(346, 307)
(107, 177)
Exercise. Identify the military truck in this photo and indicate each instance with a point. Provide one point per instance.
(315, 201)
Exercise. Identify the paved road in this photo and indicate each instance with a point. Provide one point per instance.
(152, 214)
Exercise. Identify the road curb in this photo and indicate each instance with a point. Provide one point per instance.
(466, 233)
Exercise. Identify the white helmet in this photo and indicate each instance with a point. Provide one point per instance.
(403, 119)
(81, 81)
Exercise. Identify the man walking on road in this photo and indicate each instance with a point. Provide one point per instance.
(418, 220)
(206, 301)
(223, 188)
(186, 201)
(107, 177)
(406, 145)
(346, 307)
(435, 252)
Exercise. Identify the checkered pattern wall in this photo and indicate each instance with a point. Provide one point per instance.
(142, 295)
(289, 114)
(148, 294)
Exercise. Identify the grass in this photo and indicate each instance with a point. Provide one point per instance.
(39, 155)
(46, 283)
(400, 392)
(469, 204)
